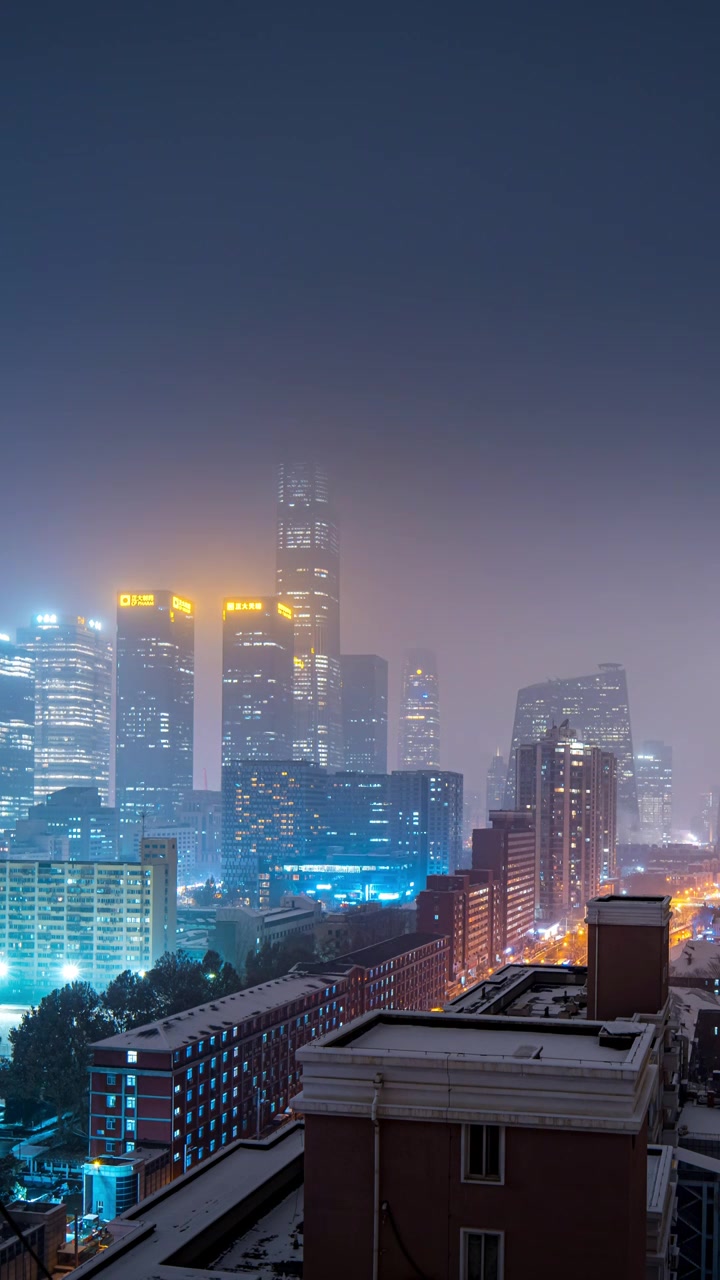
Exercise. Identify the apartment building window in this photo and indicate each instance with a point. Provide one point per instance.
(132, 1055)
(110, 1099)
(482, 1153)
(111, 1079)
(482, 1255)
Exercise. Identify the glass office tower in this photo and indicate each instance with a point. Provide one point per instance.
(155, 681)
(17, 733)
(72, 660)
(257, 692)
(364, 710)
(419, 735)
(308, 580)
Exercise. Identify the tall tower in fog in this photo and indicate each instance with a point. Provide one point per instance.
(598, 708)
(17, 733)
(72, 661)
(257, 693)
(495, 784)
(653, 765)
(419, 735)
(155, 684)
(308, 580)
(364, 709)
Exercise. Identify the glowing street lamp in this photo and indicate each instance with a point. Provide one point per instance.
(70, 972)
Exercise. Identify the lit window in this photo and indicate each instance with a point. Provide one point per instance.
(132, 1055)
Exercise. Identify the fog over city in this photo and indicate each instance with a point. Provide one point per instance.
(470, 265)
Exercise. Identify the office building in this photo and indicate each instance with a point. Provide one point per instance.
(257, 689)
(155, 676)
(495, 785)
(356, 815)
(507, 851)
(598, 709)
(308, 580)
(419, 733)
(62, 921)
(461, 907)
(271, 817)
(17, 733)
(570, 790)
(240, 930)
(71, 825)
(365, 712)
(653, 766)
(72, 661)
(426, 819)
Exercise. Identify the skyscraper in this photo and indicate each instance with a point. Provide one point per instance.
(257, 695)
(495, 787)
(308, 579)
(426, 819)
(570, 788)
(419, 736)
(271, 815)
(598, 709)
(73, 693)
(653, 764)
(364, 711)
(155, 671)
(17, 733)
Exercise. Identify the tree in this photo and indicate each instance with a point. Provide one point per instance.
(177, 983)
(131, 1000)
(51, 1052)
(276, 958)
(223, 976)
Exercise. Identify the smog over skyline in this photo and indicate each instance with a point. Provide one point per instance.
(466, 259)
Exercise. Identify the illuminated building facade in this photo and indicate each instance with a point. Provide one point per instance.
(72, 661)
(271, 818)
(426, 819)
(17, 733)
(419, 736)
(308, 580)
(61, 921)
(155, 673)
(598, 708)
(356, 816)
(71, 824)
(653, 765)
(570, 789)
(507, 851)
(257, 694)
(365, 712)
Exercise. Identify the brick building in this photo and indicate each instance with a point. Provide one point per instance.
(194, 1082)
(462, 907)
(507, 850)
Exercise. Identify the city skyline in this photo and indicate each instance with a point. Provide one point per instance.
(511, 351)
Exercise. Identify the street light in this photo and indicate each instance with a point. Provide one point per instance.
(70, 972)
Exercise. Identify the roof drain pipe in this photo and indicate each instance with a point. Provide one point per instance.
(376, 1176)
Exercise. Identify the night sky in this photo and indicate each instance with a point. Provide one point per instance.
(466, 253)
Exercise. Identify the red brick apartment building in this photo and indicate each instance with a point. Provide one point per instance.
(199, 1080)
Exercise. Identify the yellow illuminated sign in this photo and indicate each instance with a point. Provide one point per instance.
(127, 601)
(285, 611)
(298, 662)
(240, 606)
(184, 606)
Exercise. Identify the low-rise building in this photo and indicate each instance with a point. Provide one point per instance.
(240, 930)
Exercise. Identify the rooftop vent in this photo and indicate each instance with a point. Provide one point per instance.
(149, 1031)
(528, 1051)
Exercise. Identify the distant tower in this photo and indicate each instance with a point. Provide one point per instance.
(17, 733)
(73, 661)
(419, 735)
(308, 580)
(653, 766)
(364, 706)
(570, 788)
(257, 692)
(598, 709)
(155, 685)
(495, 787)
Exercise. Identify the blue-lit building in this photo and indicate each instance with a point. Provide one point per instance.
(17, 733)
(155, 686)
(71, 824)
(72, 662)
(426, 819)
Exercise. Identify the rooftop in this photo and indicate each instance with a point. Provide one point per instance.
(629, 910)
(379, 952)
(192, 1228)
(227, 1011)
(525, 990)
(699, 957)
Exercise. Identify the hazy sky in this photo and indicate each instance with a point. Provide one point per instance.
(468, 253)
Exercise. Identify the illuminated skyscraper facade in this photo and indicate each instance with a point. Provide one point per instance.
(426, 819)
(271, 818)
(155, 677)
(419, 736)
(17, 733)
(308, 580)
(257, 698)
(72, 661)
(570, 789)
(364, 710)
(653, 764)
(598, 709)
